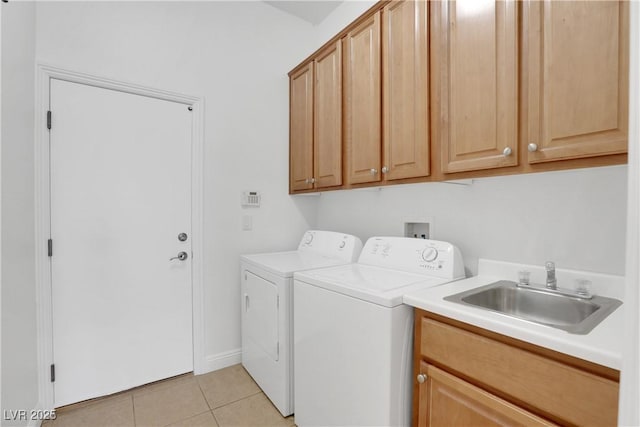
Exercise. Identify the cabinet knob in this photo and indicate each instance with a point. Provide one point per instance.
(421, 378)
(507, 151)
(532, 147)
(373, 171)
(385, 169)
(312, 180)
(306, 181)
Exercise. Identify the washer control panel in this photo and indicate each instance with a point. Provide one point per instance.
(331, 244)
(429, 257)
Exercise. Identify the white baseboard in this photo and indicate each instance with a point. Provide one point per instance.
(223, 360)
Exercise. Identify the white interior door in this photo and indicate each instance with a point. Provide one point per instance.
(120, 196)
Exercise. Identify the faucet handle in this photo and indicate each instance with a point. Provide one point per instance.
(550, 265)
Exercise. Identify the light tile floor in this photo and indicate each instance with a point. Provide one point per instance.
(228, 397)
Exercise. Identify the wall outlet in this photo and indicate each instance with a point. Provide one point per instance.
(247, 223)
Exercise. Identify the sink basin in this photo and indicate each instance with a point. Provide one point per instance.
(572, 314)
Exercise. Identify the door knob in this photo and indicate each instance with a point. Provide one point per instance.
(183, 237)
(181, 256)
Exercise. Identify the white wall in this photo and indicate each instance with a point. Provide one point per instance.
(19, 357)
(342, 16)
(1, 406)
(575, 218)
(630, 379)
(236, 55)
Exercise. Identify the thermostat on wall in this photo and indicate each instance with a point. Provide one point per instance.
(250, 199)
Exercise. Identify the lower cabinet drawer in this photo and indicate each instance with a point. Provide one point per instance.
(557, 390)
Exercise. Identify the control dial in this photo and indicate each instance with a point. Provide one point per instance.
(429, 254)
(308, 238)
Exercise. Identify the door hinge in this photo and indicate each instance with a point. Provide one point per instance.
(49, 120)
(50, 247)
(278, 349)
(53, 373)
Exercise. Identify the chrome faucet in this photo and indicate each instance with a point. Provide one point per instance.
(552, 283)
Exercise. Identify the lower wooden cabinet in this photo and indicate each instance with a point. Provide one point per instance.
(469, 376)
(446, 400)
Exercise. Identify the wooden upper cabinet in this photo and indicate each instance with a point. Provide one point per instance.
(439, 90)
(576, 78)
(315, 127)
(328, 117)
(474, 59)
(362, 101)
(301, 128)
(405, 96)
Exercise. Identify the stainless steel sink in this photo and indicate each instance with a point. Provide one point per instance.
(572, 314)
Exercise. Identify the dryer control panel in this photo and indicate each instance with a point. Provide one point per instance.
(429, 257)
(331, 244)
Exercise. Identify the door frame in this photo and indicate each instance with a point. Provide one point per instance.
(44, 74)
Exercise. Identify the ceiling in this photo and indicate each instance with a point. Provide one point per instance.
(312, 11)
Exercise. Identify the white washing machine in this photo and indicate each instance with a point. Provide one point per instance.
(266, 282)
(353, 337)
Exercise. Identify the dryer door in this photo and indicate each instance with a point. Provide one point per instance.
(260, 316)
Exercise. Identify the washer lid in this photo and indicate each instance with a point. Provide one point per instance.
(284, 264)
(378, 285)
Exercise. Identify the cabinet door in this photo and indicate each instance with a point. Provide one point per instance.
(446, 400)
(362, 103)
(328, 117)
(301, 129)
(405, 90)
(576, 64)
(475, 57)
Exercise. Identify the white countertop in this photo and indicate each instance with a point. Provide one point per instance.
(603, 345)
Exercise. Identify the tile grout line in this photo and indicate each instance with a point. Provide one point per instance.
(215, 418)
(133, 405)
(238, 400)
(188, 418)
(204, 395)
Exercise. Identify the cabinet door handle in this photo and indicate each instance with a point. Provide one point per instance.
(532, 147)
(373, 171)
(506, 151)
(313, 180)
(421, 378)
(385, 169)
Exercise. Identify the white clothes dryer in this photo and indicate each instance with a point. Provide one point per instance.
(266, 282)
(353, 337)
